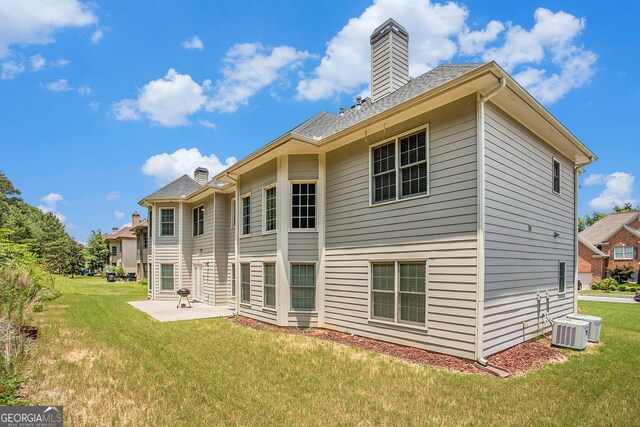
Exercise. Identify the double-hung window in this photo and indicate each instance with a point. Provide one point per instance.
(166, 221)
(166, 277)
(198, 221)
(246, 215)
(303, 287)
(303, 206)
(400, 169)
(269, 285)
(398, 292)
(556, 171)
(245, 283)
(114, 250)
(624, 252)
(270, 209)
(562, 276)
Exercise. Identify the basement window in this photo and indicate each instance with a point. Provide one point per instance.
(245, 283)
(562, 277)
(303, 287)
(166, 277)
(398, 292)
(269, 285)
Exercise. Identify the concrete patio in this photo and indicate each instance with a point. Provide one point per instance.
(166, 311)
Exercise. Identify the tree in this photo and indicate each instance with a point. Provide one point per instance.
(74, 258)
(589, 220)
(53, 244)
(96, 253)
(627, 207)
(7, 190)
(621, 272)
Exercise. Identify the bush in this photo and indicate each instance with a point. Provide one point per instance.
(621, 273)
(622, 288)
(607, 285)
(144, 282)
(595, 285)
(633, 288)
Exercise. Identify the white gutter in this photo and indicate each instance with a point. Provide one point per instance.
(480, 101)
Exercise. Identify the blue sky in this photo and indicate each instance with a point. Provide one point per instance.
(102, 102)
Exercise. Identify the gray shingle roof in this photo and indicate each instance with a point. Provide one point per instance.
(592, 248)
(182, 186)
(603, 229)
(326, 124)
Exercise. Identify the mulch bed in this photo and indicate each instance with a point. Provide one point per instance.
(517, 360)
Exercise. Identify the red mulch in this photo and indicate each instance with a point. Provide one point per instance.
(517, 360)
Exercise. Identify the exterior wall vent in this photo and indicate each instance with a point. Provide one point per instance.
(389, 59)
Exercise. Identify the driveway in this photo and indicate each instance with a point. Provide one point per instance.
(166, 311)
(607, 299)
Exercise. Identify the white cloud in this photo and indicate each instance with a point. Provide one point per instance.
(37, 62)
(118, 214)
(618, 190)
(345, 66)
(474, 42)
(93, 105)
(35, 21)
(167, 167)
(84, 90)
(60, 85)
(50, 204)
(193, 42)
(97, 35)
(207, 124)
(112, 195)
(10, 69)
(249, 67)
(168, 101)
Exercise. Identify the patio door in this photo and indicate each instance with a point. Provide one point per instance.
(198, 279)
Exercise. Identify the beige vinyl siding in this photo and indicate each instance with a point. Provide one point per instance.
(204, 242)
(254, 182)
(254, 310)
(165, 251)
(303, 246)
(440, 228)
(520, 263)
(221, 244)
(303, 166)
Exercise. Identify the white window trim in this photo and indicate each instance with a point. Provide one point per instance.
(241, 210)
(160, 222)
(624, 258)
(565, 278)
(555, 160)
(315, 272)
(239, 280)
(174, 277)
(290, 213)
(233, 213)
(264, 209)
(264, 307)
(396, 140)
(396, 322)
(192, 214)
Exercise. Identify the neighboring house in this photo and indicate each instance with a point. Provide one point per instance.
(122, 246)
(142, 259)
(611, 241)
(440, 214)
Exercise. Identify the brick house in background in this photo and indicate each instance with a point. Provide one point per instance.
(612, 241)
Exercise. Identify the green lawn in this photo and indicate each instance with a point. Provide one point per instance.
(621, 294)
(108, 363)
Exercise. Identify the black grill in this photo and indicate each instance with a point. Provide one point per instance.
(183, 292)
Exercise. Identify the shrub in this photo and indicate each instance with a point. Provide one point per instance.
(607, 285)
(621, 273)
(119, 272)
(144, 282)
(595, 285)
(622, 288)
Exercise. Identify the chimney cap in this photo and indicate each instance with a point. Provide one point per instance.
(136, 213)
(201, 169)
(389, 25)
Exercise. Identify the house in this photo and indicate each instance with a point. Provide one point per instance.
(440, 213)
(122, 246)
(611, 241)
(142, 259)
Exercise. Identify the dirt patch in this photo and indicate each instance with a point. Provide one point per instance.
(517, 360)
(78, 356)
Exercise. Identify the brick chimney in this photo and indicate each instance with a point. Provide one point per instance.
(135, 218)
(201, 176)
(114, 230)
(389, 59)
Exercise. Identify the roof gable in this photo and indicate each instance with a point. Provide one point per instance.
(602, 230)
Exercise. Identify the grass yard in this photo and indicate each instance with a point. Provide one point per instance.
(599, 293)
(108, 363)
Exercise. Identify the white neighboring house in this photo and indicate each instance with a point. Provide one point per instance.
(122, 246)
(440, 214)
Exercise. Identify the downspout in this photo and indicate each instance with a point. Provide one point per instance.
(480, 144)
(236, 236)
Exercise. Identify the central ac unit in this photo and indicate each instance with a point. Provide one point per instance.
(570, 333)
(595, 325)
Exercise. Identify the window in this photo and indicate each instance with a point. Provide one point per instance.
(269, 285)
(556, 176)
(303, 206)
(146, 241)
(114, 250)
(166, 277)
(166, 222)
(624, 252)
(233, 280)
(233, 213)
(245, 283)
(270, 209)
(303, 286)
(198, 221)
(246, 215)
(398, 292)
(411, 171)
(562, 276)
